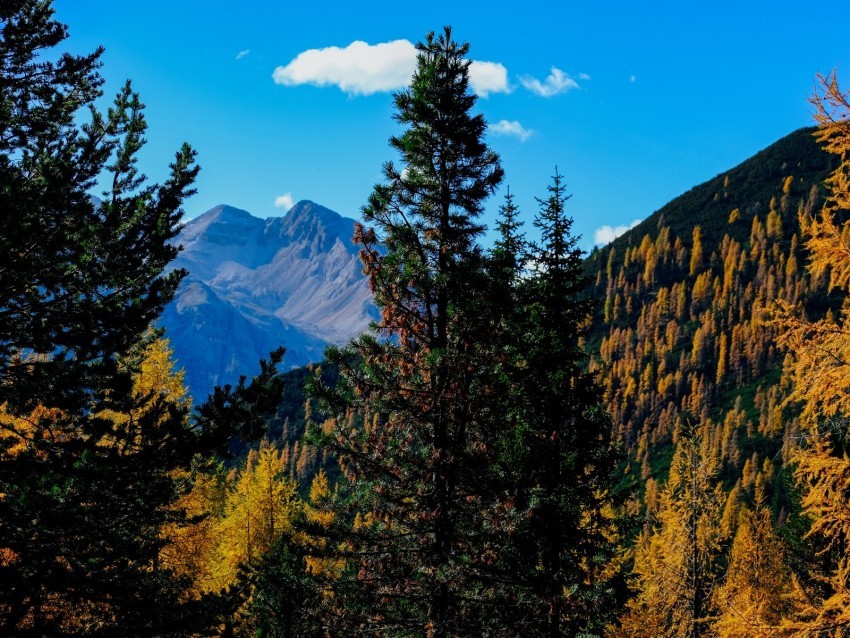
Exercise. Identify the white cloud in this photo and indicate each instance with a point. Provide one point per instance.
(363, 69)
(513, 128)
(557, 82)
(488, 77)
(242, 54)
(358, 69)
(583, 76)
(606, 234)
(284, 201)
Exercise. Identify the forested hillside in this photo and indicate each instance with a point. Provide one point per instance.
(686, 347)
(682, 341)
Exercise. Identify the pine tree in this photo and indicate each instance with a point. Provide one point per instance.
(417, 469)
(86, 494)
(560, 457)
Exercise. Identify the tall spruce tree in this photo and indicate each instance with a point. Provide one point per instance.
(418, 459)
(556, 449)
(83, 494)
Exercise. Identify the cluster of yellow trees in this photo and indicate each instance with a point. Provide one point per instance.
(227, 520)
(748, 535)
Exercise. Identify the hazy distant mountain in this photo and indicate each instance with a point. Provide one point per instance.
(254, 284)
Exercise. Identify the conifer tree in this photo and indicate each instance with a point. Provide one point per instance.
(559, 458)
(293, 584)
(418, 468)
(820, 372)
(85, 494)
(260, 509)
(676, 561)
(758, 591)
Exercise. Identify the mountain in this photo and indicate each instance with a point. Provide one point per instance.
(681, 342)
(255, 284)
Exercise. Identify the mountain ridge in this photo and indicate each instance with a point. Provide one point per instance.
(705, 204)
(255, 284)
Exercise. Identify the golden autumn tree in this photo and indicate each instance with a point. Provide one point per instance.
(154, 380)
(179, 535)
(320, 513)
(155, 384)
(676, 558)
(696, 251)
(758, 591)
(820, 373)
(292, 584)
(260, 508)
(192, 543)
(822, 347)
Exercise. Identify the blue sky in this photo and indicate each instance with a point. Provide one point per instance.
(634, 102)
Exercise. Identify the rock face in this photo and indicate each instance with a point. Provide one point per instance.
(255, 284)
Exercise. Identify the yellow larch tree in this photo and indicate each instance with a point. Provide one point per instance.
(820, 373)
(156, 381)
(696, 251)
(320, 516)
(758, 591)
(192, 544)
(261, 507)
(676, 559)
(821, 348)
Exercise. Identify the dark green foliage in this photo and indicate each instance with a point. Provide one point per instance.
(230, 415)
(84, 494)
(61, 291)
(420, 457)
(558, 460)
(289, 422)
(477, 452)
(286, 599)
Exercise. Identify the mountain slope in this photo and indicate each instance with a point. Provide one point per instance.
(683, 343)
(254, 284)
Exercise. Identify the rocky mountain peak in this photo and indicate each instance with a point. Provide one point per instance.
(255, 284)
